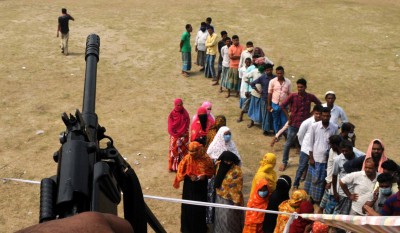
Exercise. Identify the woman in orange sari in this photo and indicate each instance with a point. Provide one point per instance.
(258, 199)
(194, 169)
(178, 129)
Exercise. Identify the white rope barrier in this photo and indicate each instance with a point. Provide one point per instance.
(383, 224)
(182, 201)
(200, 203)
(21, 180)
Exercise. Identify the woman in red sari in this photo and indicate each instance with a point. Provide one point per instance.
(178, 129)
(200, 126)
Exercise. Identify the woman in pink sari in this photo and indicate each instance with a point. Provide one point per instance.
(178, 129)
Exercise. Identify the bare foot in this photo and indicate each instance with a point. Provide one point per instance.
(239, 120)
(251, 124)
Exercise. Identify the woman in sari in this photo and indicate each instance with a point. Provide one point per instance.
(259, 199)
(207, 105)
(280, 195)
(289, 206)
(228, 185)
(222, 142)
(300, 224)
(266, 171)
(195, 168)
(178, 129)
(200, 126)
(219, 122)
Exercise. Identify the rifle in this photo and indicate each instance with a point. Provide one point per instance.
(90, 178)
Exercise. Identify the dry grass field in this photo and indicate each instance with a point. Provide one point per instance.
(349, 46)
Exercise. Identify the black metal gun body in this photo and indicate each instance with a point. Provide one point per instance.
(90, 178)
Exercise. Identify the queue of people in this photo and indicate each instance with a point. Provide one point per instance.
(338, 177)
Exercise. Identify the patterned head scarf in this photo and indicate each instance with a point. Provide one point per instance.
(195, 149)
(220, 121)
(195, 163)
(218, 145)
(319, 227)
(297, 197)
(290, 206)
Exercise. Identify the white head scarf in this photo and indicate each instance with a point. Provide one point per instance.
(218, 145)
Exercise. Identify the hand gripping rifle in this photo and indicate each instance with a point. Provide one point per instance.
(90, 178)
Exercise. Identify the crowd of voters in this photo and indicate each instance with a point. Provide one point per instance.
(338, 177)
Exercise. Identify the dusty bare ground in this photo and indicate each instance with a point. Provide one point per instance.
(349, 46)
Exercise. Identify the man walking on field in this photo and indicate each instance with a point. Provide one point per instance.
(64, 29)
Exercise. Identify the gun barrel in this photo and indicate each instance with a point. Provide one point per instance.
(91, 57)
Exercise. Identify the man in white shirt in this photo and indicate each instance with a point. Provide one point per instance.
(342, 203)
(200, 45)
(328, 203)
(225, 63)
(248, 52)
(336, 111)
(318, 155)
(303, 136)
(363, 182)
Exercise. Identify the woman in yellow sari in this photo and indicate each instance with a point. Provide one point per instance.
(266, 171)
(228, 185)
(290, 206)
